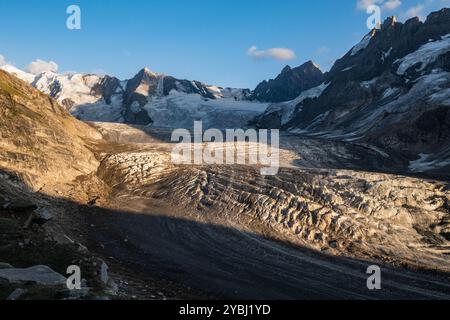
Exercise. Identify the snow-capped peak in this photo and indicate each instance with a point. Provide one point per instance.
(25, 76)
(148, 98)
(150, 72)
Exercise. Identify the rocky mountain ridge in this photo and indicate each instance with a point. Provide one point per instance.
(91, 97)
(151, 98)
(289, 83)
(390, 90)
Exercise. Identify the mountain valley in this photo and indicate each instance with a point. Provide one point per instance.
(86, 171)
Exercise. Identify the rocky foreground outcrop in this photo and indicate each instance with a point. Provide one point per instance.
(41, 143)
(44, 153)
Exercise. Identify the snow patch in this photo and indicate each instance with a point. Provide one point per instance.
(362, 45)
(368, 84)
(180, 110)
(390, 92)
(228, 93)
(425, 55)
(347, 69)
(424, 163)
(442, 97)
(386, 54)
(25, 76)
(288, 108)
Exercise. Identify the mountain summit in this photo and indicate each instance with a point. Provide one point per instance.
(289, 83)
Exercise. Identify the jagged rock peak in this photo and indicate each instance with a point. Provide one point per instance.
(289, 83)
(389, 22)
(148, 72)
(312, 64)
(441, 16)
(309, 65)
(286, 69)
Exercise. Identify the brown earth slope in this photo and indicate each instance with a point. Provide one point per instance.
(40, 141)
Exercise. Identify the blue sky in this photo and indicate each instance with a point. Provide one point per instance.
(198, 39)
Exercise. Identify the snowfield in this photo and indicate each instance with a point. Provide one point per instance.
(425, 55)
(424, 164)
(288, 108)
(180, 110)
(363, 44)
(27, 77)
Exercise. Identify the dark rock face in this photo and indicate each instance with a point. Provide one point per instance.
(143, 85)
(186, 86)
(289, 84)
(268, 120)
(139, 117)
(67, 104)
(55, 87)
(393, 41)
(106, 88)
(146, 85)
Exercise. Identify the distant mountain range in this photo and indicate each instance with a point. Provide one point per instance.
(151, 98)
(148, 98)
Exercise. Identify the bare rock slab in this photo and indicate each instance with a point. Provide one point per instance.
(42, 275)
(4, 265)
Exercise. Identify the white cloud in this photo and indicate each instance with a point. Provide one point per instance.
(386, 4)
(281, 53)
(392, 4)
(274, 53)
(364, 4)
(255, 53)
(423, 8)
(39, 66)
(416, 11)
